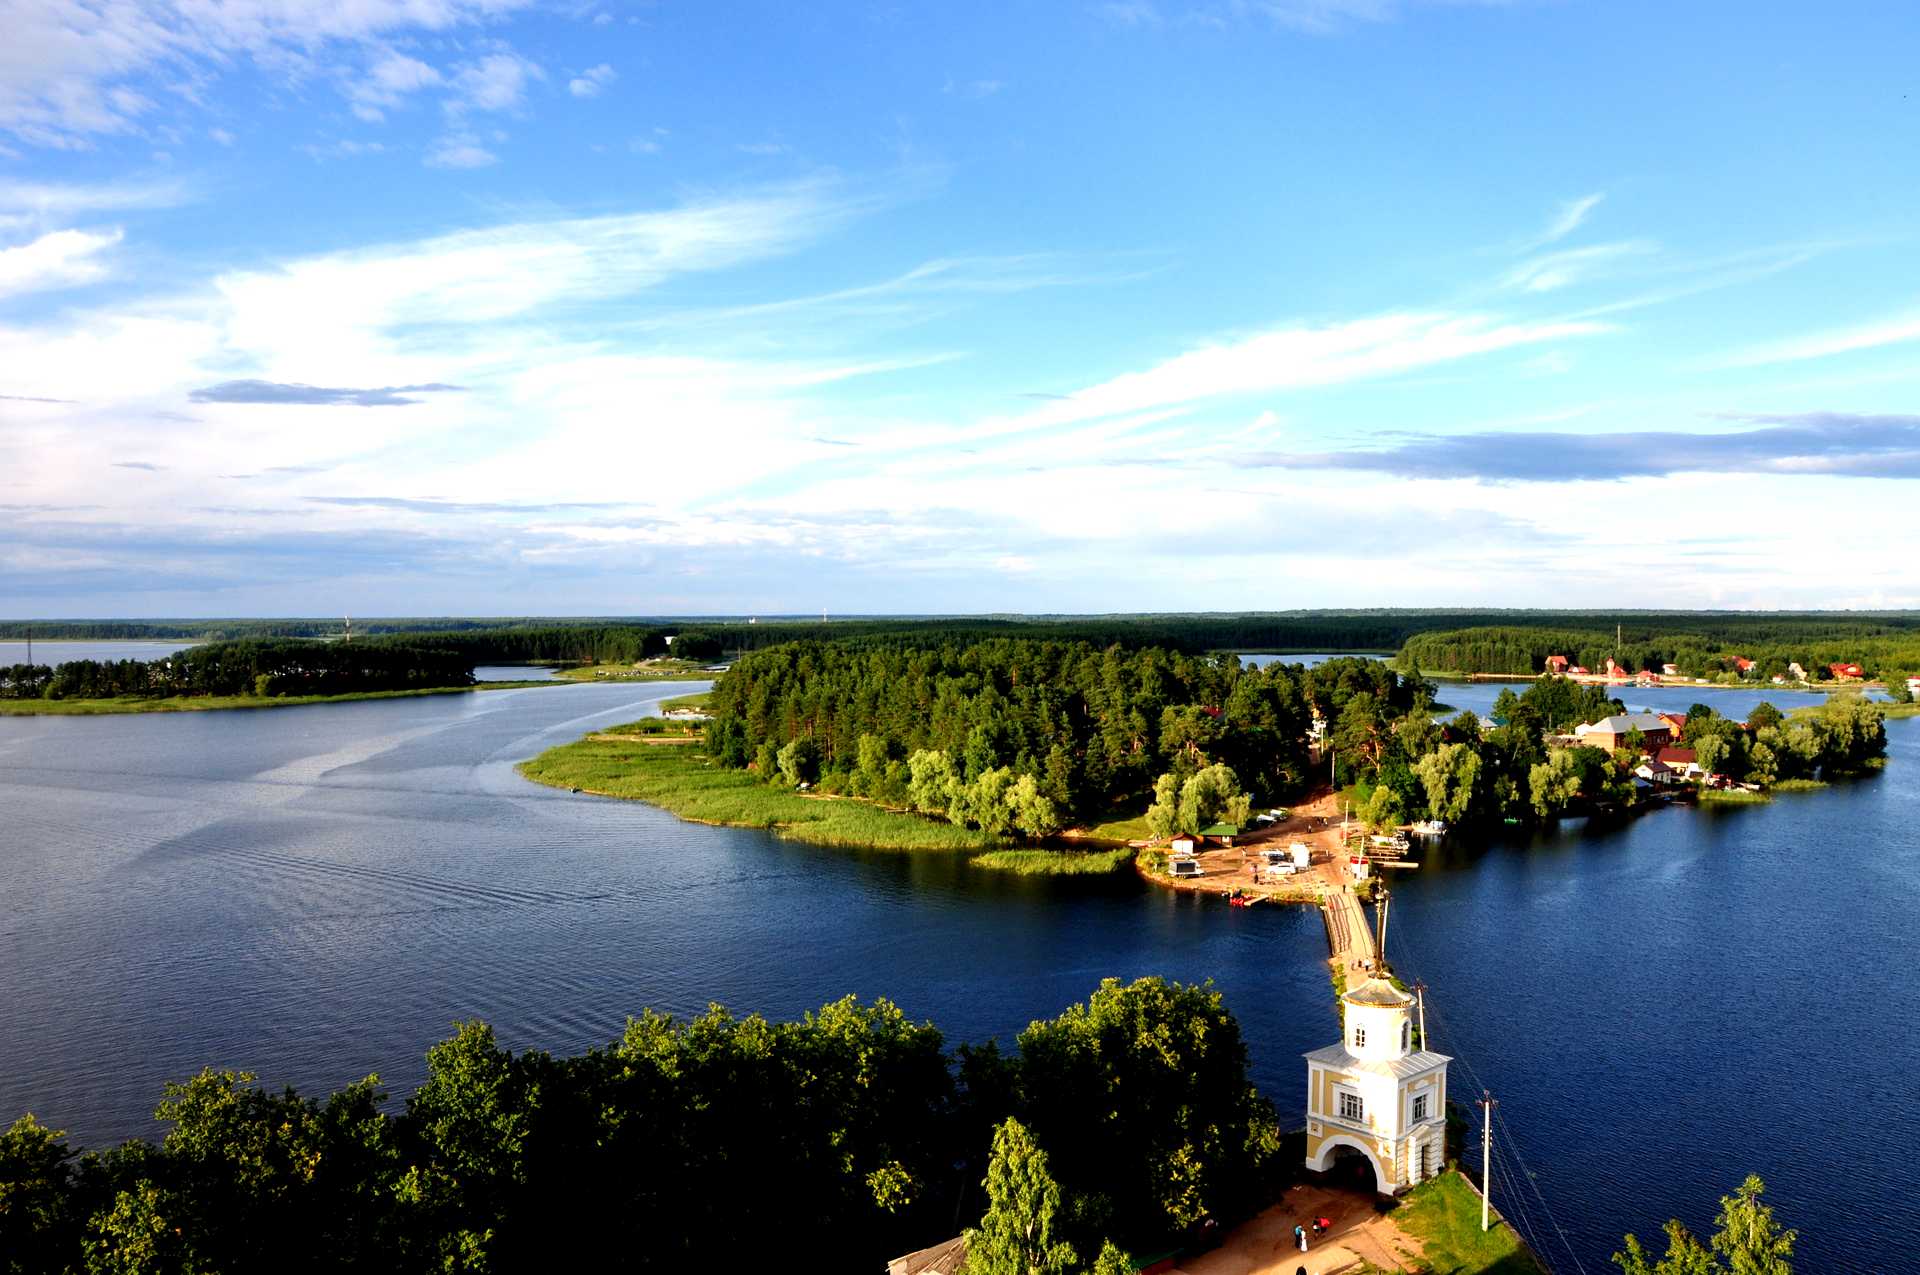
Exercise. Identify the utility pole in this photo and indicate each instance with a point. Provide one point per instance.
(1487, 1104)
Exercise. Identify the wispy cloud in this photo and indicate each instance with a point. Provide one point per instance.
(460, 150)
(1572, 215)
(68, 74)
(1804, 443)
(1896, 330)
(277, 392)
(1555, 270)
(138, 464)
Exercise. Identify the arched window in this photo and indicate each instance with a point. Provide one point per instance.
(1406, 1037)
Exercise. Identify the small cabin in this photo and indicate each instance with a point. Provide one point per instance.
(1302, 855)
(1183, 867)
(1183, 847)
(1224, 833)
(1360, 867)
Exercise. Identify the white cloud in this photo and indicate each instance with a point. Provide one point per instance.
(60, 259)
(460, 150)
(221, 135)
(497, 82)
(763, 148)
(590, 81)
(387, 82)
(67, 66)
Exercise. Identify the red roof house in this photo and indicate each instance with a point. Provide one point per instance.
(1556, 664)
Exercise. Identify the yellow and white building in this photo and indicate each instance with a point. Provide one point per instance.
(1375, 1095)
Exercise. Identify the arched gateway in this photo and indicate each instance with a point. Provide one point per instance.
(1375, 1094)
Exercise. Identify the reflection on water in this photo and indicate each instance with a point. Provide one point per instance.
(316, 893)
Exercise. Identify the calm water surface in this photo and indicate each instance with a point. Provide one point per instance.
(61, 652)
(316, 893)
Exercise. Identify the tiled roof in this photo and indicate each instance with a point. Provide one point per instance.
(1337, 1057)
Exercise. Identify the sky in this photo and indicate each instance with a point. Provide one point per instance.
(423, 307)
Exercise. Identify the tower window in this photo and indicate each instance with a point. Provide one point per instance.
(1359, 1037)
(1419, 1108)
(1351, 1107)
(1406, 1037)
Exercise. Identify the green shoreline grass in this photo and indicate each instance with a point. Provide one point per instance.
(683, 781)
(209, 703)
(1053, 863)
(1444, 1215)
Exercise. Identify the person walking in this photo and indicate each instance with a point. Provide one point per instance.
(1300, 1236)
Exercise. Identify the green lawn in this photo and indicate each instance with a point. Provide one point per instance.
(1444, 1215)
(697, 700)
(202, 703)
(1134, 829)
(681, 779)
(1030, 863)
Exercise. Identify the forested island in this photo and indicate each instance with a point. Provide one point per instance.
(970, 745)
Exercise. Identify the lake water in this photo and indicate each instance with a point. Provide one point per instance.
(316, 893)
(61, 652)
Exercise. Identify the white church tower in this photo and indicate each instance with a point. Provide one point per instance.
(1375, 1095)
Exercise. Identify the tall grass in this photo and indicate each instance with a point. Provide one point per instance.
(1058, 863)
(681, 779)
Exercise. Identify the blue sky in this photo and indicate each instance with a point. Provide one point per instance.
(481, 306)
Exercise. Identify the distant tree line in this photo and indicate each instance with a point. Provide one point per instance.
(719, 1143)
(272, 667)
(1658, 633)
(1884, 649)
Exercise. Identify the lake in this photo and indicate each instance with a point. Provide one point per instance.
(58, 652)
(316, 893)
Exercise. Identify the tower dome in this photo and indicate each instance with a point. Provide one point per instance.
(1379, 1026)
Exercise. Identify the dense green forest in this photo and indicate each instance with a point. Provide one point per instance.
(253, 667)
(1699, 646)
(1013, 735)
(846, 1138)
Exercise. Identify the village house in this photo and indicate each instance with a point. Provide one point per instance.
(1557, 664)
(1610, 733)
(1742, 665)
(1681, 764)
(1676, 723)
(1844, 672)
(1655, 772)
(1670, 670)
(1913, 687)
(1795, 672)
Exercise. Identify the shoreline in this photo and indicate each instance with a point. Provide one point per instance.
(224, 703)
